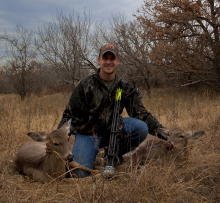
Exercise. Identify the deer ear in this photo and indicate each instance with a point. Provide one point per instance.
(196, 135)
(65, 127)
(37, 136)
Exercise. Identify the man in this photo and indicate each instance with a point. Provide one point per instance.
(90, 109)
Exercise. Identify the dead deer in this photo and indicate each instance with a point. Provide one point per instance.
(46, 158)
(156, 149)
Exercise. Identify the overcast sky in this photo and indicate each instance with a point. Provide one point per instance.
(31, 13)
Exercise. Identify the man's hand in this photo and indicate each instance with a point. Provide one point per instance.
(163, 133)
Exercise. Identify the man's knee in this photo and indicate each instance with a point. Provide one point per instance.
(135, 126)
(142, 128)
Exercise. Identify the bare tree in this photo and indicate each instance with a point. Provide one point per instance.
(21, 53)
(134, 50)
(65, 45)
(5, 84)
(186, 35)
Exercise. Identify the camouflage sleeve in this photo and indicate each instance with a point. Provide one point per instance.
(136, 109)
(66, 116)
(76, 109)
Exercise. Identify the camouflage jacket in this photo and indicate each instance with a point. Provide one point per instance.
(91, 105)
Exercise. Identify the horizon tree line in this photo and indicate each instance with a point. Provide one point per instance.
(169, 42)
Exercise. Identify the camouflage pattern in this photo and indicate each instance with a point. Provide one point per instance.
(91, 105)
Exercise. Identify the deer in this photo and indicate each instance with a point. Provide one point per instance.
(45, 158)
(153, 148)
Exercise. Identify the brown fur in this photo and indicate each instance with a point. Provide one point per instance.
(156, 149)
(43, 161)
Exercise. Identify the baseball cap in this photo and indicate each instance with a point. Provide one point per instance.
(108, 48)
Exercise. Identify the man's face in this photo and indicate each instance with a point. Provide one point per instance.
(108, 63)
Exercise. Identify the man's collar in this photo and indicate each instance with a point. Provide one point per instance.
(116, 80)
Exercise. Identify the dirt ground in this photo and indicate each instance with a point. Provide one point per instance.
(195, 180)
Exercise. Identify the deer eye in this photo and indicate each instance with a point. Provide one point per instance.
(56, 144)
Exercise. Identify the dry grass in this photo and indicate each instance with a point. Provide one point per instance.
(197, 180)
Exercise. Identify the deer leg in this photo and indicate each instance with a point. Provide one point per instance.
(36, 174)
(74, 165)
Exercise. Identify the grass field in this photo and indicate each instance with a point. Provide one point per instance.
(197, 180)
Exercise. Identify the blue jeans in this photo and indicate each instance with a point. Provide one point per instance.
(86, 147)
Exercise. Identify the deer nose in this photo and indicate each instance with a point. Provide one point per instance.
(48, 145)
(48, 148)
(70, 157)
